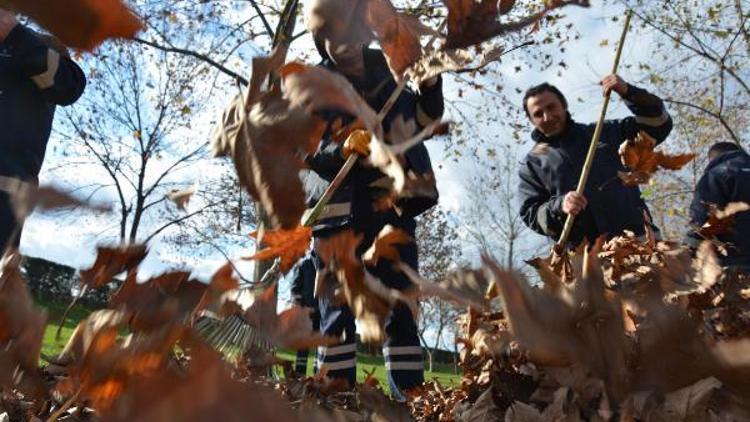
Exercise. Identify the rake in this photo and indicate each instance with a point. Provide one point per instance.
(234, 335)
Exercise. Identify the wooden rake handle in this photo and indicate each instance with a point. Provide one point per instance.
(560, 246)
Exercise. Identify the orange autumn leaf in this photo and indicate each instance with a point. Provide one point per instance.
(111, 261)
(80, 24)
(385, 245)
(471, 22)
(398, 34)
(721, 221)
(639, 156)
(288, 245)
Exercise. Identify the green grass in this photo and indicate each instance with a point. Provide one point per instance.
(443, 373)
(55, 311)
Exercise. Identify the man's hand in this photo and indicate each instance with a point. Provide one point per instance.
(614, 83)
(358, 142)
(574, 203)
(8, 21)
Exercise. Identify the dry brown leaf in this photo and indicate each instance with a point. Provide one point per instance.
(181, 198)
(369, 300)
(721, 221)
(471, 22)
(385, 245)
(291, 328)
(21, 332)
(288, 245)
(81, 24)
(587, 327)
(205, 391)
(690, 403)
(639, 156)
(437, 62)
(464, 287)
(398, 34)
(314, 88)
(266, 136)
(111, 261)
(27, 199)
(161, 300)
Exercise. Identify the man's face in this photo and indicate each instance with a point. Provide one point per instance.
(347, 57)
(547, 113)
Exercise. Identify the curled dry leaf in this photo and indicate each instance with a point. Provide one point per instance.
(314, 88)
(437, 62)
(292, 328)
(368, 298)
(721, 221)
(385, 245)
(639, 156)
(21, 332)
(464, 287)
(206, 390)
(30, 197)
(288, 245)
(588, 330)
(163, 299)
(471, 22)
(181, 198)
(111, 261)
(266, 136)
(80, 24)
(398, 34)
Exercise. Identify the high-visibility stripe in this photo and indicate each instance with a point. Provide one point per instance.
(404, 366)
(336, 366)
(47, 78)
(337, 350)
(402, 350)
(653, 121)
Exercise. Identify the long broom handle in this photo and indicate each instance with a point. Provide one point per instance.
(594, 140)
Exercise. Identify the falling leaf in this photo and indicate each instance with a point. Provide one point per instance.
(385, 245)
(464, 287)
(639, 156)
(288, 245)
(22, 328)
(437, 62)
(398, 34)
(30, 197)
(111, 261)
(266, 136)
(181, 198)
(292, 328)
(368, 298)
(471, 22)
(721, 221)
(315, 88)
(80, 23)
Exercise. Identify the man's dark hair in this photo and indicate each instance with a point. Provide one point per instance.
(720, 148)
(538, 89)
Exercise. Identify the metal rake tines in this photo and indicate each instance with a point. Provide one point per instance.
(232, 335)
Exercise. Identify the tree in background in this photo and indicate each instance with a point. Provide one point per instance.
(697, 61)
(440, 253)
(490, 217)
